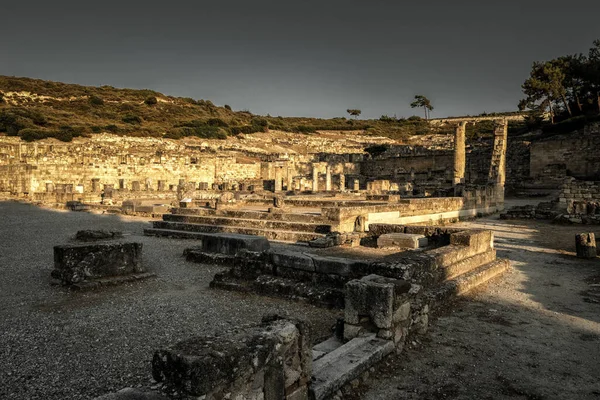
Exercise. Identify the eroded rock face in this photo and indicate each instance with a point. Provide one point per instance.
(74, 263)
(270, 361)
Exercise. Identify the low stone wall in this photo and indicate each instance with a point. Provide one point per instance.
(428, 210)
(320, 280)
(573, 191)
(270, 361)
(79, 263)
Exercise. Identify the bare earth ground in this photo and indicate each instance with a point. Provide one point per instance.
(57, 344)
(532, 334)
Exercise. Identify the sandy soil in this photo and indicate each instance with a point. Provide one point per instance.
(532, 334)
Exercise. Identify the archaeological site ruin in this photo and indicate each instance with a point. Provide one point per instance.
(156, 247)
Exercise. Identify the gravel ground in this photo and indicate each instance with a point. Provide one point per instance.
(57, 344)
(533, 334)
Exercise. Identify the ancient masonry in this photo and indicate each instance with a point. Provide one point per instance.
(234, 204)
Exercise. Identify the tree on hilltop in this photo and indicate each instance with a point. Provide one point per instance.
(354, 112)
(422, 101)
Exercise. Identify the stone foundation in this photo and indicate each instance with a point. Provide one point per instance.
(271, 361)
(78, 263)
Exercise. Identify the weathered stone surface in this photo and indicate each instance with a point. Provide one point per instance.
(263, 362)
(403, 240)
(91, 235)
(231, 243)
(74, 263)
(346, 363)
(132, 394)
(585, 245)
(374, 297)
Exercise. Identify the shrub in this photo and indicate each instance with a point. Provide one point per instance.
(217, 122)
(376, 150)
(96, 100)
(32, 134)
(151, 101)
(1, 97)
(227, 107)
(131, 119)
(385, 118)
(304, 129)
(96, 129)
(112, 128)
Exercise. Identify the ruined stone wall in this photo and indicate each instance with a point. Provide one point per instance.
(388, 167)
(573, 191)
(578, 153)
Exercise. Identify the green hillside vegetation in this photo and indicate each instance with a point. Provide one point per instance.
(64, 111)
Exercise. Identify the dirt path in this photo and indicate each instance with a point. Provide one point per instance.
(533, 334)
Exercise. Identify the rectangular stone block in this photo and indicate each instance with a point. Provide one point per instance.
(269, 361)
(403, 240)
(374, 297)
(74, 263)
(231, 243)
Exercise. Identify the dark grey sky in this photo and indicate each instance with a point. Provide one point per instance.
(300, 58)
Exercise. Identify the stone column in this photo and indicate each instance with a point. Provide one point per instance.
(342, 182)
(290, 178)
(356, 185)
(95, 185)
(497, 174)
(328, 178)
(161, 185)
(315, 181)
(278, 179)
(459, 154)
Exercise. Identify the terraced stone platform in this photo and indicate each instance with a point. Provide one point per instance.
(277, 226)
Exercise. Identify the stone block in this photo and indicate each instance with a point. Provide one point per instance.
(403, 240)
(132, 394)
(293, 260)
(74, 263)
(270, 361)
(479, 240)
(375, 297)
(231, 243)
(92, 235)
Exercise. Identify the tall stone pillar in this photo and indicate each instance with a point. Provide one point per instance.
(278, 179)
(497, 174)
(290, 178)
(459, 154)
(328, 178)
(356, 185)
(342, 182)
(315, 180)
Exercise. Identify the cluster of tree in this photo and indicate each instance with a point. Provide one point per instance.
(420, 101)
(565, 86)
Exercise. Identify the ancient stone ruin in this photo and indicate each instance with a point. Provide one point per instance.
(103, 262)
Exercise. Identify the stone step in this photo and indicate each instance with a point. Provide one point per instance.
(468, 264)
(185, 231)
(275, 286)
(249, 223)
(472, 279)
(326, 347)
(290, 217)
(347, 362)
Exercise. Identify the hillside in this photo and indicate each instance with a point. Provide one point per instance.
(34, 109)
